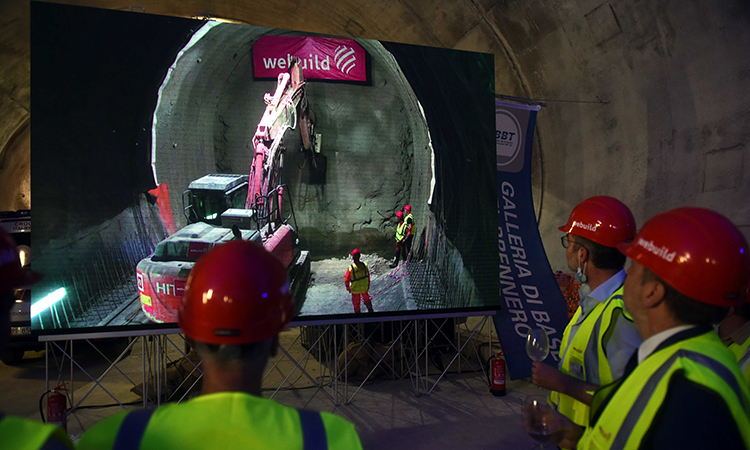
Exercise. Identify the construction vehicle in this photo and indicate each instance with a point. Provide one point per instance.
(217, 212)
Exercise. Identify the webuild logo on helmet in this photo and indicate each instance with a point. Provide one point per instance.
(585, 226)
(661, 252)
(320, 58)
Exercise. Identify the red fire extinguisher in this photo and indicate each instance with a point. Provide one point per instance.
(56, 408)
(497, 375)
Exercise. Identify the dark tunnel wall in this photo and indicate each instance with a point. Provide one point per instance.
(647, 101)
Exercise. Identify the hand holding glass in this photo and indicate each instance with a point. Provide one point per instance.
(537, 344)
(536, 419)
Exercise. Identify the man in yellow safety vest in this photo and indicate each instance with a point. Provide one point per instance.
(734, 331)
(236, 302)
(600, 337)
(683, 388)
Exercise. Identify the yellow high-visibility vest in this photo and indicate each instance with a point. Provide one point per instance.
(583, 357)
(625, 410)
(359, 276)
(23, 434)
(225, 421)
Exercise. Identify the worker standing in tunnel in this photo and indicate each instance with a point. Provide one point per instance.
(600, 337)
(357, 282)
(401, 235)
(236, 302)
(409, 220)
(17, 432)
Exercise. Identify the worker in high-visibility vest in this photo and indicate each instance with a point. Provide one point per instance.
(600, 337)
(734, 331)
(236, 302)
(16, 432)
(357, 282)
(401, 234)
(683, 388)
(409, 220)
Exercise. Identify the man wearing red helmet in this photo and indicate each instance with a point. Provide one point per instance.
(600, 338)
(15, 432)
(357, 282)
(401, 233)
(683, 388)
(409, 220)
(236, 302)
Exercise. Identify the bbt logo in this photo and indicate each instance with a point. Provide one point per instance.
(344, 58)
(508, 141)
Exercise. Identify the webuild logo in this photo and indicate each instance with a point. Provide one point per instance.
(584, 226)
(320, 58)
(662, 252)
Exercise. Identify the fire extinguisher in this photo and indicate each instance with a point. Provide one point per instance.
(497, 374)
(56, 407)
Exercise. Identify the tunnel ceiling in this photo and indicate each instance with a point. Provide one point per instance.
(645, 101)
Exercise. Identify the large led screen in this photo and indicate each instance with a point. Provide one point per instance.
(156, 138)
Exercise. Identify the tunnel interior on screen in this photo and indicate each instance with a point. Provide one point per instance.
(161, 100)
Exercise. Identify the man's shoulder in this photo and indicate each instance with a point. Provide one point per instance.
(103, 433)
(17, 432)
(341, 432)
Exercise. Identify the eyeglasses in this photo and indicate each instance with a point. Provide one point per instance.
(565, 240)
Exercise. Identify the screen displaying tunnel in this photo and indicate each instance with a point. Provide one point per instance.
(155, 138)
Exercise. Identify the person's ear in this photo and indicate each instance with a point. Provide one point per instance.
(583, 254)
(654, 293)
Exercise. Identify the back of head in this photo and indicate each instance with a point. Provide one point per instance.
(603, 220)
(236, 294)
(355, 254)
(399, 214)
(697, 252)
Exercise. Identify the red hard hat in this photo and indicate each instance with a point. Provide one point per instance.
(407, 208)
(604, 220)
(12, 275)
(237, 293)
(698, 252)
(399, 214)
(355, 252)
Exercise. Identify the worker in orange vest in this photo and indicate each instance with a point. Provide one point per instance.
(357, 282)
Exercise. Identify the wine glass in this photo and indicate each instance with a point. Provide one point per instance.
(536, 419)
(537, 344)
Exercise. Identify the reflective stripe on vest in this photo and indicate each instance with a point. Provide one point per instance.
(587, 361)
(627, 416)
(133, 427)
(359, 278)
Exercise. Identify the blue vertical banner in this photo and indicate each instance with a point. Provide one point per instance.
(530, 294)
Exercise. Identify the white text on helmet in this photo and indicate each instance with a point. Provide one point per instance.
(661, 252)
(585, 226)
